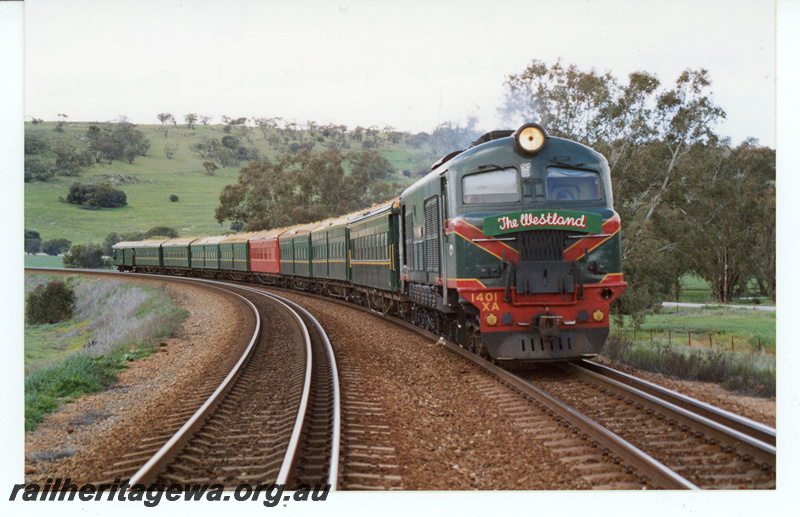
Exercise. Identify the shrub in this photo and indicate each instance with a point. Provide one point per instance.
(161, 231)
(37, 169)
(230, 141)
(33, 246)
(173, 198)
(49, 303)
(96, 195)
(55, 246)
(86, 256)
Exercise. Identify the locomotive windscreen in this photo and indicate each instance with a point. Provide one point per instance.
(573, 185)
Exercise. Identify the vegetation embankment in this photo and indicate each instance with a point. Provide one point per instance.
(176, 179)
(734, 347)
(112, 324)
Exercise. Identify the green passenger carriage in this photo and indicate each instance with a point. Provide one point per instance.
(373, 251)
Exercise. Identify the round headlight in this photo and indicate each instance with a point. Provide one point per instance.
(530, 138)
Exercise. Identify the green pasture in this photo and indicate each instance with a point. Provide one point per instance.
(732, 346)
(43, 261)
(710, 327)
(156, 179)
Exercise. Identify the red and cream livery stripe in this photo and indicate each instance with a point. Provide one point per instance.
(495, 247)
(575, 251)
(474, 235)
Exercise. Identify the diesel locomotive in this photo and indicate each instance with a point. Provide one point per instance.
(511, 248)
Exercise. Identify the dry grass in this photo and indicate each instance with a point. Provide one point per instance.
(113, 324)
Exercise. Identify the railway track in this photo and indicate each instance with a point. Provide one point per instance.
(711, 448)
(681, 443)
(274, 418)
(617, 431)
(668, 440)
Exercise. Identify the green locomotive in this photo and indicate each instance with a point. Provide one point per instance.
(512, 247)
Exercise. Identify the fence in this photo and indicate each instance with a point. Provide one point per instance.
(687, 338)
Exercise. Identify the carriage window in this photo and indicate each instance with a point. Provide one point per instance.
(573, 185)
(498, 186)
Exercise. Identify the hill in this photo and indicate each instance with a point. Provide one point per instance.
(173, 166)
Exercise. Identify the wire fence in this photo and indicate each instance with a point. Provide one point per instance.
(691, 339)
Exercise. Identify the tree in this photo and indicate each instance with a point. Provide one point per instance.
(191, 120)
(108, 244)
(37, 169)
(657, 140)
(86, 256)
(165, 118)
(96, 195)
(49, 304)
(210, 167)
(367, 183)
(33, 246)
(304, 187)
(55, 246)
(725, 220)
(450, 136)
(169, 151)
(124, 141)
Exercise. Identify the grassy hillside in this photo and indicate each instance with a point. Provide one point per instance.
(155, 177)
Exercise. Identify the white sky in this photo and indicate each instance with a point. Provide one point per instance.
(410, 65)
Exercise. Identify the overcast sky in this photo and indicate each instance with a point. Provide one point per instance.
(411, 65)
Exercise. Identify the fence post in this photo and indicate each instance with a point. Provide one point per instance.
(670, 336)
(690, 338)
(710, 343)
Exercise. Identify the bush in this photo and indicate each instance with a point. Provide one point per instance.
(231, 142)
(49, 303)
(37, 169)
(55, 246)
(96, 195)
(161, 231)
(86, 256)
(173, 198)
(33, 246)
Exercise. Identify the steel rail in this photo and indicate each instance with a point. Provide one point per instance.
(333, 469)
(174, 445)
(647, 466)
(744, 425)
(294, 441)
(745, 444)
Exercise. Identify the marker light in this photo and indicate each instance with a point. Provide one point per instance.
(530, 138)
(598, 315)
(491, 319)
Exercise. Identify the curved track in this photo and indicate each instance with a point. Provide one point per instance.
(621, 431)
(682, 443)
